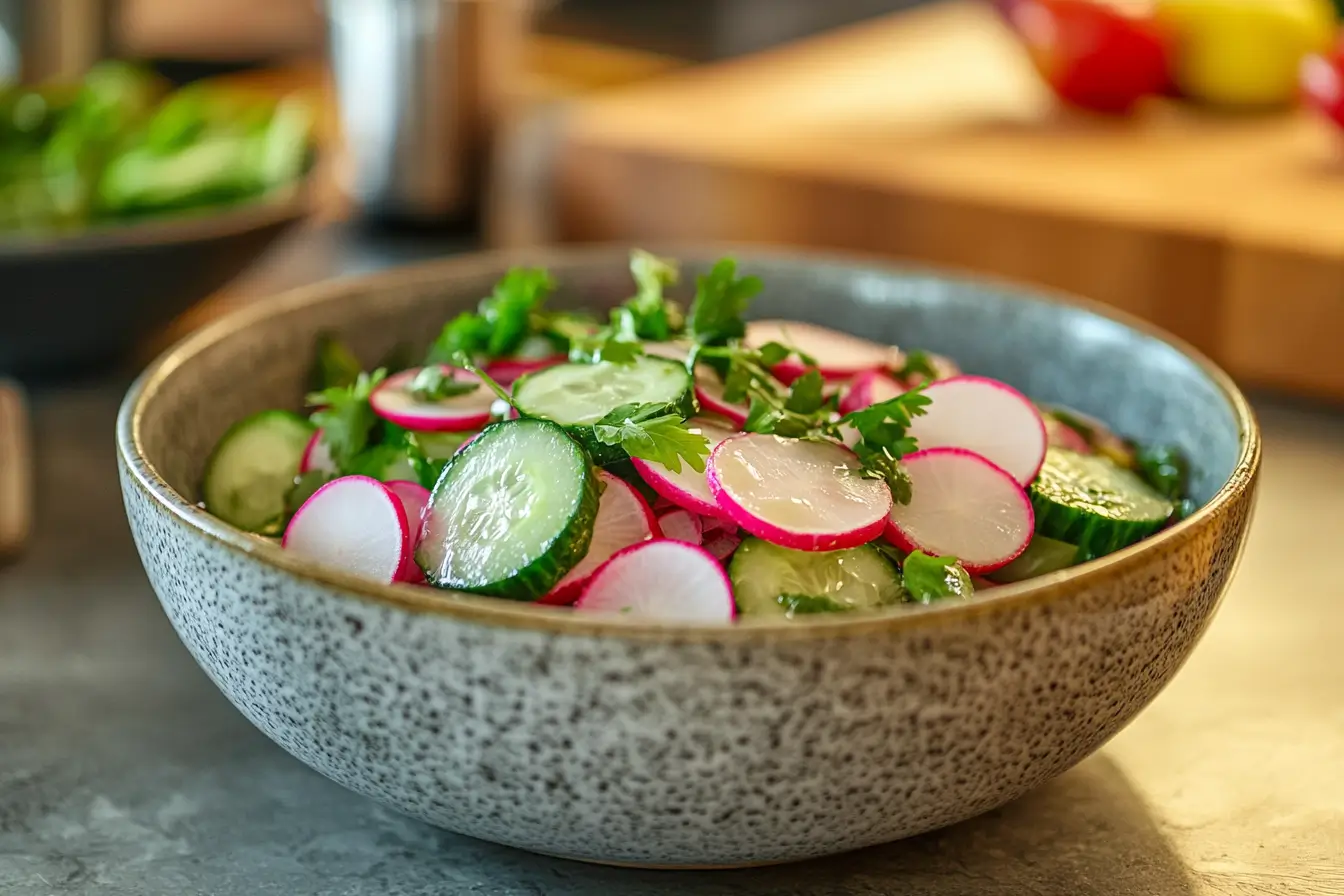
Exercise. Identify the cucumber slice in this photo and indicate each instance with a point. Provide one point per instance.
(769, 580)
(578, 395)
(1042, 555)
(252, 469)
(512, 513)
(1087, 500)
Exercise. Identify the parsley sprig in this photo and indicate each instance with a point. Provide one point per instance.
(500, 323)
(345, 416)
(928, 578)
(432, 383)
(721, 299)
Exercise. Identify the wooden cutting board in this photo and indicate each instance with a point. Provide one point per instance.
(926, 135)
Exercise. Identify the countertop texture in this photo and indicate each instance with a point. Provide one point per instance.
(123, 770)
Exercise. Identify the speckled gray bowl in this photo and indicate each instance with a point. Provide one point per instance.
(617, 741)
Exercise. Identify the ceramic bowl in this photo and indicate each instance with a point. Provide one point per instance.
(619, 741)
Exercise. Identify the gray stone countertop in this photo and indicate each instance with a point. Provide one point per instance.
(123, 771)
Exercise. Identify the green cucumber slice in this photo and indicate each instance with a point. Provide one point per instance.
(1085, 499)
(249, 474)
(769, 580)
(1042, 555)
(578, 395)
(512, 513)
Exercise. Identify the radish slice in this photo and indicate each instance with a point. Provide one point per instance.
(962, 504)
(414, 497)
(682, 525)
(317, 456)
(1061, 435)
(722, 544)
(354, 524)
(393, 401)
(839, 355)
(810, 496)
(869, 388)
(506, 370)
(687, 489)
(666, 580)
(944, 368)
(623, 519)
(987, 417)
(677, 350)
(709, 392)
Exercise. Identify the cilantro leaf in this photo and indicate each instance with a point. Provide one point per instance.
(500, 323)
(883, 440)
(462, 360)
(653, 432)
(927, 578)
(345, 417)
(605, 345)
(805, 395)
(433, 384)
(721, 298)
(650, 316)
(334, 365)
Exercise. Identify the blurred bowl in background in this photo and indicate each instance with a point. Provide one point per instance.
(77, 302)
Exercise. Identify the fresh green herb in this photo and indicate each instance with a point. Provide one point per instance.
(721, 298)
(564, 328)
(605, 345)
(795, 604)
(917, 363)
(466, 363)
(345, 417)
(929, 578)
(883, 440)
(653, 432)
(805, 394)
(1165, 468)
(500, 322)
(334, 365)
(648, 315)
(433, 384)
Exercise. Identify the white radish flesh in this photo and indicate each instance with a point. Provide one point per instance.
(354, 524)
(810, 496)
(682, 525)
(663, 580)
(687, 489)
(393, 401)
(623, 519)
(838, 355)
(987, 417)
(965, 506)
(317, 456)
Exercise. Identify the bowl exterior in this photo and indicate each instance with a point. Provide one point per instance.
(686, 749)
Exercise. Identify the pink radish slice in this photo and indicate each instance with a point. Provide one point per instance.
(677, 350)
(987, 417)
(317, 456)
(869, 388)
(506, 370)
(722, 544)
(839, 355)
(962, 504)
(687, 489)
(682, 525)
(809, 496)
(712, 524)
(709, 392)
(623, 519)
(414, 497)
(393, 401)
(1061, 435)
(354, 524)
(665, 580)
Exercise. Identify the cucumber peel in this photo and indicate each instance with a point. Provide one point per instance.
(249, 475)
(769, 580)
(1088, 501)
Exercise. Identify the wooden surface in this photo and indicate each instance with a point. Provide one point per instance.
(927, 135)
(16, 487)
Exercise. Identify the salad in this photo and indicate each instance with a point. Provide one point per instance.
(676, 462)
(120, 145)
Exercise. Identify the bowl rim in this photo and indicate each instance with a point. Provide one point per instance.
(500, 612)
(281, 204)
